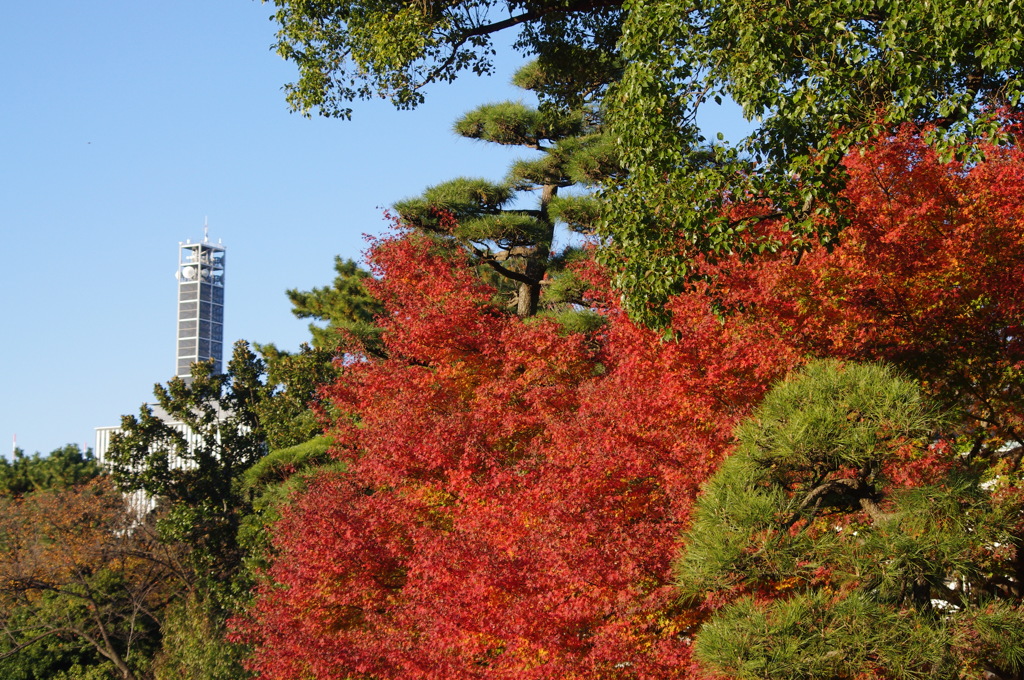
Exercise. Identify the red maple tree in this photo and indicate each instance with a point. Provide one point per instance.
(926, 277)
(514, 493)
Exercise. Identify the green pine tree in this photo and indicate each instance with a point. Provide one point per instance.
(484, 217)
(846, 540)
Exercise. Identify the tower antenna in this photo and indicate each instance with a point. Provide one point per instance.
(206, 230)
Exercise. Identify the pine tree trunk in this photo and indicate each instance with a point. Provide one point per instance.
(537, 263)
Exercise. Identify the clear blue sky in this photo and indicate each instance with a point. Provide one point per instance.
(125, 125)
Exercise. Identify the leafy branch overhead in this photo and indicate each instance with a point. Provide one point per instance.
(815, 79)
(349, 49)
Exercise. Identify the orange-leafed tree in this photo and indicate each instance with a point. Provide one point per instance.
(76, 567)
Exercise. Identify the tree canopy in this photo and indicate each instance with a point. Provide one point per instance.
(510, 492)
(82, 583)
(189, 459)
(817, 78)
(345, 306)
(63, 467)
(60, 568)
(512, 495)
(351, 49)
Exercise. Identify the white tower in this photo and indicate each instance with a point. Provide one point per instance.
(200, 305)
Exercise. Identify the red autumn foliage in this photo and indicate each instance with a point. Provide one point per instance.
(927, 277)
(514, 494)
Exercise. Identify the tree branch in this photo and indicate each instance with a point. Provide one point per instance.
(106, 651)
(574, 8)
(860, 487)
(29, 643)
(509, 274)
(460, 39)
(816, 494)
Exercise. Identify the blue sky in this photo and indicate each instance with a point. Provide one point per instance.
(125, 125)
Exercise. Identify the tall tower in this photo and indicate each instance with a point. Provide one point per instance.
(200, 305)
